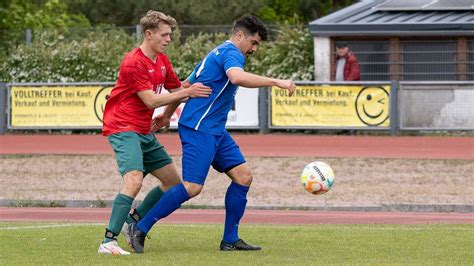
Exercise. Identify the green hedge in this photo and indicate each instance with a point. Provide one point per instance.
(95, 55)
(289, 56)
(55, 56)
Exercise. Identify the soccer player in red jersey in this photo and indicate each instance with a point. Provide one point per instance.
(144, 73)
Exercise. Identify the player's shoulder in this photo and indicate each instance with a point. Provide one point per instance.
(164, 58)
(134, 58)
(226, 49)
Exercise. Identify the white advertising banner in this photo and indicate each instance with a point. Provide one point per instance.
(244, 112)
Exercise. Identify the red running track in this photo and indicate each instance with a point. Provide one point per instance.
(192, 216)
(265, 145)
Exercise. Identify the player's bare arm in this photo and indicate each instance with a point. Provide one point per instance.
(171, 108)
(239, 77)
(163, 120)
(152, 100)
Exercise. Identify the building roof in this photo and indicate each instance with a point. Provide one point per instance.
(399, 17)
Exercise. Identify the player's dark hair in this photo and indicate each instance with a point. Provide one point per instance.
(250, 24)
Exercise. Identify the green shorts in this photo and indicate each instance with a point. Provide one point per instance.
(134, 151)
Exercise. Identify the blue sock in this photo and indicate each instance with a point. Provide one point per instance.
(235, 202)
(169, 202)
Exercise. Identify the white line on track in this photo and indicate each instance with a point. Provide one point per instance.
(402, 227)
(335, 227)
(48, 226)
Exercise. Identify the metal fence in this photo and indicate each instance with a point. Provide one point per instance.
(415, 106)
(3, 108)
(428, 60)
(15, 37)
(470, 58)
(413, 60)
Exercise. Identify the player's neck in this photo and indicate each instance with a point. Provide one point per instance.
(236, 43)
(148, 52)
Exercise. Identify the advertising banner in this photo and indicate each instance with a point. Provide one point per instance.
(331, 106)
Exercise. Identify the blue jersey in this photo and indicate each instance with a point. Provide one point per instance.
(210, 114)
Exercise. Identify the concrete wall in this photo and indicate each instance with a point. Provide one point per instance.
(449, 108)
(322, 58)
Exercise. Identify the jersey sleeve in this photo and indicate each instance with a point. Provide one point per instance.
(192, 77)
(138, 78)
(233, 59)
(171, 80)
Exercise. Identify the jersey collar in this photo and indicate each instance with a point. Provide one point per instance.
(229, 41)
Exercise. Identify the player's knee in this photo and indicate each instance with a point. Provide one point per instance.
(133, 182)
(192, 189)
(248, 178)
(245, 178)
(133, 186)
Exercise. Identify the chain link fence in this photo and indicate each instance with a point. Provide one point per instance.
(12, 38)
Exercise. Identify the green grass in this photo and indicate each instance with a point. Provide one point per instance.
(198, 245)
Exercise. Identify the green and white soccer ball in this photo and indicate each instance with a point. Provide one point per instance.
(317, 178)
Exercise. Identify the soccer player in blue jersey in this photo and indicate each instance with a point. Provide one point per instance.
(205, 140)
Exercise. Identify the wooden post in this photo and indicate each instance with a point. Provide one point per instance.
(395, 58)
(462, 58)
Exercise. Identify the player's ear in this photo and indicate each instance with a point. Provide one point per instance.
(240, 35)
(148, 34)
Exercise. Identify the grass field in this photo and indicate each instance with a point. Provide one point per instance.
(59, 243)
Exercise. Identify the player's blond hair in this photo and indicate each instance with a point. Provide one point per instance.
(153, 19)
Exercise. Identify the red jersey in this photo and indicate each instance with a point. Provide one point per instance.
(124, 110)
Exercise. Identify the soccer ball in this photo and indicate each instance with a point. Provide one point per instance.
(317, 178)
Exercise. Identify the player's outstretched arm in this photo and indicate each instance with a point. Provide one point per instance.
(163, 120)
(171, 108)
(239, 77)
(152, 100)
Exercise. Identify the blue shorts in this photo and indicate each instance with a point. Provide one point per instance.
(201, 150)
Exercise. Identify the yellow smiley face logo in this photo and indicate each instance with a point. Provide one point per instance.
(100, 100)
(372, 105)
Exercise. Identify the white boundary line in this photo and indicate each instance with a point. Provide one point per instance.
(404, 227)
(48, 226)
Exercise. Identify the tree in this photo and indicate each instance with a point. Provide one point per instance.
(195, 12)
(204, 12)
(30, 14)
(294, 12)
(111, 12)
(18, 15)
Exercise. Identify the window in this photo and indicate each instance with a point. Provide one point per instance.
(429, 60)
(373, 57)
(470, 59)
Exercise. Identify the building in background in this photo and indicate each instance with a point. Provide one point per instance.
(411, 40)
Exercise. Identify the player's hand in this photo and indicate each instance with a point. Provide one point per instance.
(185, 84)
(159, 122)
(288, 85)
(198, 90)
